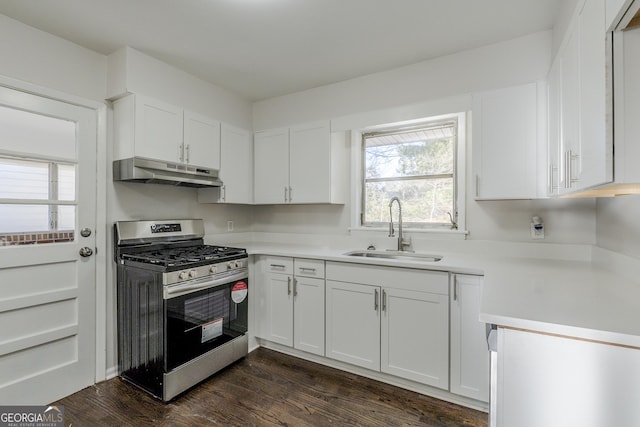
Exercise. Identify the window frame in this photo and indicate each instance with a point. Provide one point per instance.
(459, 175)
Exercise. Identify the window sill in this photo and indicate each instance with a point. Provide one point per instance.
(435, 233)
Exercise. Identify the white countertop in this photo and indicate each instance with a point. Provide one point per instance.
(564, 297)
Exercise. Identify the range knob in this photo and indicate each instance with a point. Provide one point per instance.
(183, 275)
(193, 274)
(231, 265)
(239, 264)
(213, 269)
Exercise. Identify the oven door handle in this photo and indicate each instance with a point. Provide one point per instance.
(179, 289)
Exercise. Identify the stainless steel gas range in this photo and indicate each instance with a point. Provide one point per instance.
(182, 305)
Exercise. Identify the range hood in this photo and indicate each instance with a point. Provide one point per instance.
(138, 169)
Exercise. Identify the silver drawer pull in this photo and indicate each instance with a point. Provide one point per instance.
(313, 270)
(278, 266)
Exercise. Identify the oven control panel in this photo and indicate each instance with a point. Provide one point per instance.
(211, 270)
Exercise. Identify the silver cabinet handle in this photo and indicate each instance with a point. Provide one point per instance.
(288, 285)
(313, 270)
(290, 194)
(455, 288)
(384, 300)
(566, 169)
(188, 150)
(224, 193)
(295, 287)
(181, 152)
(280, 266)
(477, 186)
(572, 157)
(375, 299)
(285, 194)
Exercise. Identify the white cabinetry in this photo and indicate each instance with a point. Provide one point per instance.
(390, 320)
(353, 323)
(236, 171)
(292, 306)
(506, 136)
(146, 127)
(577, 78)
(301, 164)
(469, 353)
(546, 380)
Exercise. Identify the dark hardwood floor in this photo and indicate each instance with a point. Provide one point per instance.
(268, 388)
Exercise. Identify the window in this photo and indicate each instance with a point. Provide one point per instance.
(417, 165)
(37, 185)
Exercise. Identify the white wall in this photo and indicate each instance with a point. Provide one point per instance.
(36, 57)
(618, 224)
(517, 61)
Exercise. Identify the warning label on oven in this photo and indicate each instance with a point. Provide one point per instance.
(211, 330)
(239, 292)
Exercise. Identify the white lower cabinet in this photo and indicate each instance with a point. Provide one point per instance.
(399, 327)
(556, 381)
(414, 336)
(353, 324)
(469, 352)
(291, 307)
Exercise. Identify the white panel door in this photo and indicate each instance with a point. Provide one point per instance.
(469, 351)
(236, 167)
(47, 298)
(553, 381)
(505, 137)
(308, 309)
(353, 324)
(158, 130)
(415, 336)
(279, 306)
(310, 163)
(201, 140)
(271, 166)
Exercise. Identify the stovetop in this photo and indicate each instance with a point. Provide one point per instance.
(188, 256)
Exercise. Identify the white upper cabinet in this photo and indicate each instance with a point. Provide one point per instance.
(236, 173)
(201, 140)
(577, 78)
(506, 135)
(146, 127)
(271, 166)
(301, 164)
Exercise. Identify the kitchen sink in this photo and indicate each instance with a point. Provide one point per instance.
(408, 256)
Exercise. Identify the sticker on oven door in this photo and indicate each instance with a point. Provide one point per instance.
(211, 330)
(239, 292)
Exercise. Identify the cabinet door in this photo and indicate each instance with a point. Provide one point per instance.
(278, 308)
(593, 158)
(236, 171)
(310, 163)
(553, 144)
(505, 124)
(469, 351)
(308, 317)
(570, 113)
(158, 130)
(414, 340)
(546, 380)
(353, 324)
(271, 166)
(201, 140)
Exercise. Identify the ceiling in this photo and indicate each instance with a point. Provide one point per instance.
(265, 48)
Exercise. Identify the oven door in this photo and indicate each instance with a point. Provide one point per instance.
(203, 319)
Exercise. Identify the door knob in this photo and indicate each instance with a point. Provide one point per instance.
(86, 251)
(85, 232)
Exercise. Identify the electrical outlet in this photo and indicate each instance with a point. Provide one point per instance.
(537, 231)
(229, 225)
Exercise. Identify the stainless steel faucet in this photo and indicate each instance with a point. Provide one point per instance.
(402, 243)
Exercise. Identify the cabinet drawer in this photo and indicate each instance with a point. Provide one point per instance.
(308, 267)
(410, 279)
(278, 264)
